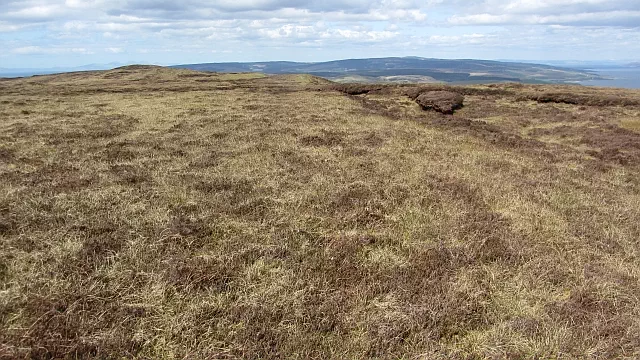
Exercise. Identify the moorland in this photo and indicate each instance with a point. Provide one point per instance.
(158, 213)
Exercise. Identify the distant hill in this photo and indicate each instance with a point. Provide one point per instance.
(410, 69)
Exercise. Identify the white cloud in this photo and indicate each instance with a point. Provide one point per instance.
(347, 34)
(289, 31)
(349, 27)
(28, 50)
(82, 4)
(36, 13)
(8, 27)
(39, 50)
(75, 26)
(622, 13)
(619, 18)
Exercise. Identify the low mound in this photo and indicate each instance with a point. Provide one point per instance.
(358, 89)
(445, 102)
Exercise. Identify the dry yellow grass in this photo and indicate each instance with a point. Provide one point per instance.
(156, 213)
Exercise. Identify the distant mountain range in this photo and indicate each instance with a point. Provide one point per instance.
(411, 69)
(393, 69)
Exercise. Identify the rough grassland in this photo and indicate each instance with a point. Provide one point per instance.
(167, 214)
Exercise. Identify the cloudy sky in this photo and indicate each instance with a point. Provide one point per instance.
(49, 33)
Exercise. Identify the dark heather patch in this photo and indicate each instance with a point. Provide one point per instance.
(130, 174)
(326, 138)
(6, 155)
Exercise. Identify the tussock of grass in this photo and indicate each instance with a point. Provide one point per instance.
(631, 123)
(156, 213)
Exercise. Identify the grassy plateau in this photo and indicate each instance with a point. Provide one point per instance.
(154, 213)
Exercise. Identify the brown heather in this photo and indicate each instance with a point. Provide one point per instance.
(151, 213)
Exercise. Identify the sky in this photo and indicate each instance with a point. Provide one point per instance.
(66, 33)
